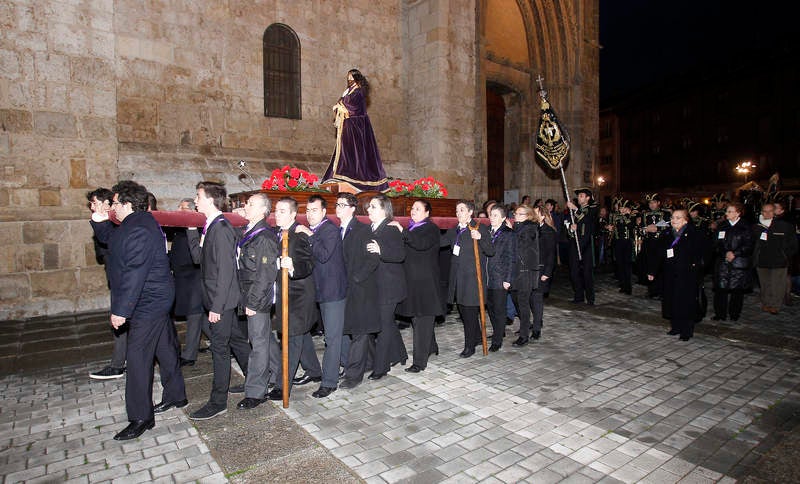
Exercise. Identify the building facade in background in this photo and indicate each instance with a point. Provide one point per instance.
(169, 93)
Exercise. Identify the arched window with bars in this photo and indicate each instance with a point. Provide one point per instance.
(281, 72)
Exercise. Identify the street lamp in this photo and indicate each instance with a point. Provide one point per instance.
(744, 168)
(601, 180)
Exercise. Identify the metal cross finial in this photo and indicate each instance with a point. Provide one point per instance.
(539, 80)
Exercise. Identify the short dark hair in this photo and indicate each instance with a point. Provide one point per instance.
(152, 201)
(216, 192)
(469, 203)
(386, 205)
(130, 191)
(101, 194)
(550, 201)
(499, 208)
(425, 204)
(315, 197)
(349, 198)
(291, 201)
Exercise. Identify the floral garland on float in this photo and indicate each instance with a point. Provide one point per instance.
(427, 187)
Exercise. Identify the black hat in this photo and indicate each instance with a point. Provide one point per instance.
(700, 208)
(586, 190)
(652, 197)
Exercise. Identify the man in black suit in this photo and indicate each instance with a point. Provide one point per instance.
(141, 296)
(330, 282)
(362, 290)
(215, 250)
(500, 270)
(302, 306)
(102, 228)
(581, 271)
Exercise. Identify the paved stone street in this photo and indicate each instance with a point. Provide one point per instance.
(58, 425)
(605, 396)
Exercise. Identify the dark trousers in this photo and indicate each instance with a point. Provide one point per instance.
(684, 326)
(728, 302)
(295, 349)
(472, 328)
(337, 345)
(360, 347)
(146, 341)
(389, 346)
(308, 357)
(650, 249)
(537, 307)
(195, 324)
(227, 336)
(623, 250)
(496, 304)
(580, 274)
(120, 346)
(521, 295)
(424, 339)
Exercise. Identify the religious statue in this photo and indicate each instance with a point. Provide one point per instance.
(356, 160)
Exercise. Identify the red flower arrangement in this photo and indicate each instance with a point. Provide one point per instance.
(424, 187)
(291, 180)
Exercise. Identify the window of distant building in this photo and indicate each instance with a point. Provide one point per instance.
(281, 72)
(605, 132)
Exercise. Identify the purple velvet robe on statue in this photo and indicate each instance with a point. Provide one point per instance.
(356, 159)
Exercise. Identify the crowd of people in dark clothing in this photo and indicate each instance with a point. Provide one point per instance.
(354, 280)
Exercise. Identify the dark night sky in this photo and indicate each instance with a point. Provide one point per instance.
(646, 41)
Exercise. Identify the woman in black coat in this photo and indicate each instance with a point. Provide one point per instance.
(547, 264)
(680, 254)
(734, 244)
(526, 269)
(388, 243)
(423, 302)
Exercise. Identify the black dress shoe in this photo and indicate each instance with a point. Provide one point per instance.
(734, 318)
(536, 334)
(467, 352)
(577, 301)
(247, 403)
(685, 338)
(414, 369)
(509, 321)
(494, 348)
(306, 379)
(376, 376)
(323, 392)
(276, 394)
(718, 318)
(673, 332)
(520, 342)
(163, 407)
(185, 362)
(236, 388)
(349, 384)
(135, 429)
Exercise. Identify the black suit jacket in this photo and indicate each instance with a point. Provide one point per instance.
(330, 278)
(138, 268)
(391, 276)
(302, 298)
(258, 266)
(217, 258)
(422, 272)
(188, 290)
(362, 288)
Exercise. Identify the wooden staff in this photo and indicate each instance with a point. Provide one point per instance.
(285, 319)
(480, 291)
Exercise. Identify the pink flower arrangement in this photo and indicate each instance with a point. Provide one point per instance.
(291, 180)
(424, 187)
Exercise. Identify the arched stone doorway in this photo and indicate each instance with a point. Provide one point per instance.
(502, 139)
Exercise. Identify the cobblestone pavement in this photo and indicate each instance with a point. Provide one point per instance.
(596, 399)
(605, 395)
(58, 425)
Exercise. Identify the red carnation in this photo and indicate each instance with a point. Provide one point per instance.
(292, 183)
